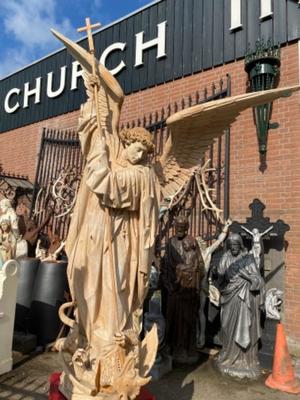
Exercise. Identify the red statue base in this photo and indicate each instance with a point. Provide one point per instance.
(54, 393)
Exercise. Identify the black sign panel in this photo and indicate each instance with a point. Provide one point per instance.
(197, 36)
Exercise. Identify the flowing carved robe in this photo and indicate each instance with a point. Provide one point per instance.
(241, 298)
(131, 194)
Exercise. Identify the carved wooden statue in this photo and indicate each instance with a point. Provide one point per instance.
(111, 238)
(242, 297)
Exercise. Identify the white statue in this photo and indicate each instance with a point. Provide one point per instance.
(110, 243)
(273, 303)
(8, 213)
(8, 242)
(256, 242)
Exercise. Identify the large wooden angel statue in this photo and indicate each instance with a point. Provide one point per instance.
(110, 244)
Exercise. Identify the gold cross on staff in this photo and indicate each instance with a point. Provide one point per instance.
(88, 28)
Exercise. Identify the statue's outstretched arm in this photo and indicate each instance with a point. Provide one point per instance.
(266, 231)
(247, 230)
(220, 238)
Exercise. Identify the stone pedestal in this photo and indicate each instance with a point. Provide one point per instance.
(266, 351)
(8, 295)
(24, 343)
(182, 357)
(161, 367)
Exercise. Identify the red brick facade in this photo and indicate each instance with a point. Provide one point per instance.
(278, 187)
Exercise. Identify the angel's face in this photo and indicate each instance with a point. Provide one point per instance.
(136, 152)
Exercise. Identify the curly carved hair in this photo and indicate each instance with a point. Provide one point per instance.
(137, 134)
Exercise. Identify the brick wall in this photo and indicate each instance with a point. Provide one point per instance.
(278, 187)
(19, 148)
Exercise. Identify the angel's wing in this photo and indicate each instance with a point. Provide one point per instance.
(110, 94)
(194, 129)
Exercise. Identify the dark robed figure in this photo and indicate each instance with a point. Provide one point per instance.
(182, 271)
(242, 296)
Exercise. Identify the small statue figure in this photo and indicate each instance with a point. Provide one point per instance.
(207, 289)
(182, 271)
(9, 214)
(187, 274)
(242, 296)
(257, 243)
(273, 302)
(8, 242)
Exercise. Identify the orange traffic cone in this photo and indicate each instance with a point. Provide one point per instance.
(283, 375)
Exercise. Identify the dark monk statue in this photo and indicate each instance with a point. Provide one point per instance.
(182, 271)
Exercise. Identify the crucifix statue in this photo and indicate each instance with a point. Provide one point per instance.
(257, 242)
(256, 227)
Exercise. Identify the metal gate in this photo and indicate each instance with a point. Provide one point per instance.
(57, 179)
(60, 166)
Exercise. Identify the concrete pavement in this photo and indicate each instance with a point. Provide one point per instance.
(29, 381)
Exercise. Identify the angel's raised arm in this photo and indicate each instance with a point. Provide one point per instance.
(106, 106)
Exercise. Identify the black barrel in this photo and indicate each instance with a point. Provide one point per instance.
(27, 273)
(48, 295)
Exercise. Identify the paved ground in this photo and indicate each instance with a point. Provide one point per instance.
(29, 381)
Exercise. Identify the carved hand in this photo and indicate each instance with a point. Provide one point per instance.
(120, 339)
(94, 80)
(227, 224)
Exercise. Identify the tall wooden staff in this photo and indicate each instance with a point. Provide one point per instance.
(88, 28)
